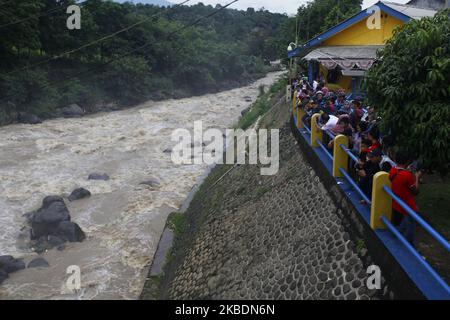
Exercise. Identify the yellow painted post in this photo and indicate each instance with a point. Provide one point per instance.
(381, 201)
(316, 132)
(300, 114)
(340, 157)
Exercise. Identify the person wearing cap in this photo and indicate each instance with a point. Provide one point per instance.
(369, 169)
(319, 99)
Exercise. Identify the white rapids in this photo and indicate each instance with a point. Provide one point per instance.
(123, 220)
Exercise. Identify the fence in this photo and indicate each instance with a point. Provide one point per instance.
(382, 195)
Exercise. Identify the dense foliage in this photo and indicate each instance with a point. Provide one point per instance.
(410, 86)
(226, 49)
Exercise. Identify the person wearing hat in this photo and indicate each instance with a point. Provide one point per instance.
(319, 99)
(369, 169)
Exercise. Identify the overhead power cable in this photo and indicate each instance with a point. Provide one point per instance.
(90, 44)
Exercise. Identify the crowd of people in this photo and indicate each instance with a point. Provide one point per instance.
(375, 151)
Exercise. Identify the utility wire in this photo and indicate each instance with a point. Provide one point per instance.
(90, 44)
(197, 21)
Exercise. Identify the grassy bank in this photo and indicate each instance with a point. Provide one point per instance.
(434, 202)
(262, 104)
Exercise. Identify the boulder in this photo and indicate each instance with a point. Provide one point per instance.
(98, 176)
(50, 199)
(248, 99)
(40, 245)
(55, 241)
(4, 260)
(38, 263)
(151, 183)
(72, 110)
(167, 150)
(9, 264)
(45, 220)
(78, 194)
(70, 231)
(245, 111)
(28, 118)
(3, 276)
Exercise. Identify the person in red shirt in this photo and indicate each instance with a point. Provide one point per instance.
(405, 185)
(374, 137)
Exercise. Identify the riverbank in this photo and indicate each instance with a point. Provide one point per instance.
(105, 104)
(255, 237)
(247, 236)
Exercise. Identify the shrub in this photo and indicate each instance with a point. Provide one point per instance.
(409, 86)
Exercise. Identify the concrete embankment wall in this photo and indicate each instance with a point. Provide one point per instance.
(268, 237)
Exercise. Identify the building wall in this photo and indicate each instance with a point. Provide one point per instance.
(344, 82)
(360, 34)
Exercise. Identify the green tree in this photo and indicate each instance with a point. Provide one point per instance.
(410, 87)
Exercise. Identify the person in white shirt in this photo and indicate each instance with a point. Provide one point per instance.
(315, 85)
(328, 122)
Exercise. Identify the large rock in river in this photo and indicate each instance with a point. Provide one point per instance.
(9, 264)
(70, 231)
(72, 111)
(38, 263)
(28, 118)
(50, 199)
(45, 220)
(78, 194)
(98, 176)
(3, 276)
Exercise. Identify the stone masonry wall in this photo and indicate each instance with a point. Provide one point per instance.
(274, 237)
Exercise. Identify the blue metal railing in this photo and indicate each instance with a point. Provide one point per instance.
(344, 173)
(350, 153)
(306, 126)
(354, 185)
(322, 146)
(330, 134)
(415, 253)
(419, 220)
(442, 241)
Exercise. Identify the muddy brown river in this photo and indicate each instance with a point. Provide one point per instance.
(123, 220)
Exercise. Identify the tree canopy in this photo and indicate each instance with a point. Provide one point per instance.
(410, 87)
(228, 47)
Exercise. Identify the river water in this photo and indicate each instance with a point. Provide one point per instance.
(123, 220)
